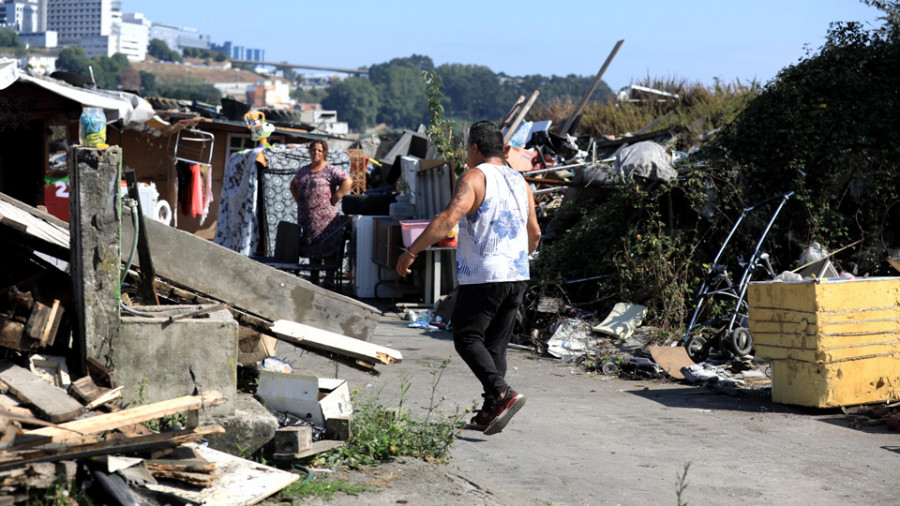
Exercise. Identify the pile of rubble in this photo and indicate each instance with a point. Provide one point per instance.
(99, 342)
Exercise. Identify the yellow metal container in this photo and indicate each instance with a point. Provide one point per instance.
(832, 343)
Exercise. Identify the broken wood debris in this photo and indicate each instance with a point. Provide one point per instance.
(51, 402)
(336, 343)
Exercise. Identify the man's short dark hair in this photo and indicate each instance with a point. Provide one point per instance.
(487, 137)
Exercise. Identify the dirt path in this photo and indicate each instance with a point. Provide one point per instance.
(588, 439)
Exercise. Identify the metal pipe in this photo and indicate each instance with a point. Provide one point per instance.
(550, 169)
(550, 190)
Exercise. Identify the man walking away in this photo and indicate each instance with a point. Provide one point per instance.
(498, 228)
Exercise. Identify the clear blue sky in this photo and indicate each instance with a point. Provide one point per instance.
(695, 40)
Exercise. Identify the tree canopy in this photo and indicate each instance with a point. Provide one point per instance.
(107, 71)
(160, 50)
(357, 101)
(470, 92)
(9, 38)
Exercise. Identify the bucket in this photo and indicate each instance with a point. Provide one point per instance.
(411, 229)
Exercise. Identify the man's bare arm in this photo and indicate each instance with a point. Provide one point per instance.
(534, 230)
(466, 198)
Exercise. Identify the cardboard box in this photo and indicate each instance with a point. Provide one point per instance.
(832, 342)
(309, 397)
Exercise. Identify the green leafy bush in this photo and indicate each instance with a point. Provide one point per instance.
(827, 128)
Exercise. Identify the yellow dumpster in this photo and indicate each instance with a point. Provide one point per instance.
(831, 342)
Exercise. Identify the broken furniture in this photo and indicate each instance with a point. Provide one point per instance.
(288, 251)
(831, 342)
(730, 334)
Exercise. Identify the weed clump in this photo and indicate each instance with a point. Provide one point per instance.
(380, 433)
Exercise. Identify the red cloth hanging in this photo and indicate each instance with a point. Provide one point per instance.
(196, 192)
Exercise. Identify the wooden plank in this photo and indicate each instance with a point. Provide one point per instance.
(48, 337)
(138, 414)
(108, 396)
(37, 223)
(85, 390)
(330, 341)
(100, 373)
(126, 445)
(507, 120)
(133, 430)
(23, 415)
(12, 335)
(17, 410)
(293, 439)
(50, 402)
(237, 481)
(564, 127)
(195, 465)
(316, 448)
(195, 479)
(520, 116)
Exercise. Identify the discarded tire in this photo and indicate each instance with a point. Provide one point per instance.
(697, 348)
(739, 342)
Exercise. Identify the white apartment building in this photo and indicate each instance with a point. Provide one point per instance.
(39, 39)
(134, 36)
(20, 16)
(86, 23)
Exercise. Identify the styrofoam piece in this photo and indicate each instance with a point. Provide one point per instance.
(622, 320)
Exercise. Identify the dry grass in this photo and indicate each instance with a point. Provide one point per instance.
(699, 107)
(171, 73)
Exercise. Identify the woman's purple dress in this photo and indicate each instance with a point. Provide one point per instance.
(315, 214)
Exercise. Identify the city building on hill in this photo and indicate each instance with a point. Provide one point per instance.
(46, 40)
(20, 16)
(29, 19)
(269, 94)
(178, 38)
(86, 23)
(134, 36)
(240, 52)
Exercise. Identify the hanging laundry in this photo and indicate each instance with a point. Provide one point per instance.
(237, 224)
(206, 175)
(190, 188)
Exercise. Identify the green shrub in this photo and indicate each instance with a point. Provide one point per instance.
(380, 433)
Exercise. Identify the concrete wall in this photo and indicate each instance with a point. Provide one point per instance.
(94, 229)
(173, 358)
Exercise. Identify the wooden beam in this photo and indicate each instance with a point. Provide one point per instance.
(126, 445)
(138, 414)
(564, 128)
(507, 120)
(519, 117)
(336, 343)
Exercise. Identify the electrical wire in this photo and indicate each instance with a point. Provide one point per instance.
(132, 205)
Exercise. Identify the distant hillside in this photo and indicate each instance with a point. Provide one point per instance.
(177, 73)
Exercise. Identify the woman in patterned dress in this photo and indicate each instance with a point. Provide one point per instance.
(317, 188)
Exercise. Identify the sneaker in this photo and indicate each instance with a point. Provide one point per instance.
(511, 403)
(480, 421)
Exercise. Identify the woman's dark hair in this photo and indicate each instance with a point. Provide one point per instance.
(322, 143)
(487, 137)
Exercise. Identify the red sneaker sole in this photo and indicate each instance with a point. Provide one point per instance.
(498, 424)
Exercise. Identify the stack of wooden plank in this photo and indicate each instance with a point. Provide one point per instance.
(29, 324)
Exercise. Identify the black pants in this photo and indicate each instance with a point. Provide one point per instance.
(483, 319)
